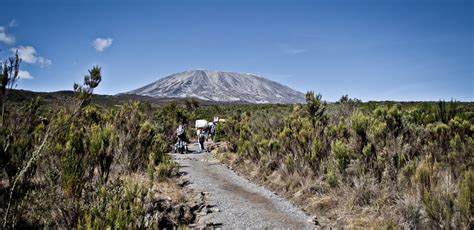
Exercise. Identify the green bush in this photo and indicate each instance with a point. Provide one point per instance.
(465, 199)
(423, 173)
(72, 165)
(439, 207)
(316, 148)
(367, 150)
(341, 154)
(166, 169)
(220, 133)
(331, 179)
(359, 123)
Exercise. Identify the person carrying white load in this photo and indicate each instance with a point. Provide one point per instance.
(181, 145)
(201, 133)
(201, 136)
(212, 130)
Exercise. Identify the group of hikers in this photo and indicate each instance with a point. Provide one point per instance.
(204, 131)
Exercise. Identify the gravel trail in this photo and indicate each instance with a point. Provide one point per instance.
(238, 203)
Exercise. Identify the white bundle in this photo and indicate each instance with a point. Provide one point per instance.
(201, 124)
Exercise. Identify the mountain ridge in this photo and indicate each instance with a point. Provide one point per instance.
(221, 86)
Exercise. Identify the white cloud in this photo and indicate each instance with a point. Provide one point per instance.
(44, 62)
(13, 23)
(291, 50)
(5, 37)
(100, 44)
(296, 51)
(28, 54)
(23, 74)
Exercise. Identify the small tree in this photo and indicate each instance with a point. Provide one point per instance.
(344, 99)
(8, 77)
(83, 96)
(315, 108)
(91, 81)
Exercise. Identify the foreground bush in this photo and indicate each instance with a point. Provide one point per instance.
(68, 165)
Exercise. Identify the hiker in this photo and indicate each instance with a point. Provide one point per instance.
(212, 129)
(181, 145)
(201, 133)
(201, 136)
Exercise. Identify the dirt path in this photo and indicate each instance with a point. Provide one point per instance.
(238, 203)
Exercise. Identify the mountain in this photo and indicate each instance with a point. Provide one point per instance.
(222, 87)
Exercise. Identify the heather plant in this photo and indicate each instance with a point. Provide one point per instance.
(315, 108)
(380, 150)
(465, 198)
(71, 159)
(341, 154)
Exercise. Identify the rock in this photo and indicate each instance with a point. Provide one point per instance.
(215, 210)
(148, 208)
(314, 220)
(147, 220)
(188, 215)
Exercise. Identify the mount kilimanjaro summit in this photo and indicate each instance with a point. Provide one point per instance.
(221, 86)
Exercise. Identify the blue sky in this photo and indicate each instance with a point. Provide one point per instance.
(371, 50)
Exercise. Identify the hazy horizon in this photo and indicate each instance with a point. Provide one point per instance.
(370, 50)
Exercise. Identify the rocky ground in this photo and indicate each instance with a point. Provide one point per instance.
(234, 202)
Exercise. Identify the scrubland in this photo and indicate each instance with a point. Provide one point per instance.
(354, 164)
(76, 164)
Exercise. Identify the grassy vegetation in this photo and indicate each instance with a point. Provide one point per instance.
(74, 161)
(361, 164)
(349, 163)
(70, 163)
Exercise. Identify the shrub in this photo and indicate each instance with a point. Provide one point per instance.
(220, 133)
(331, 179)
(72, 168)
(315, 108)
(423, 173)
(166, 168)
(441, 128)
(465, 199)
(394, 119)
(367, 150)
(460, 125)
(316, 148)
(376, 129)
(359, 123)
(438, 207)
(341, 154)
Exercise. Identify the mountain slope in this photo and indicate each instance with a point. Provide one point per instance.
(221, 86)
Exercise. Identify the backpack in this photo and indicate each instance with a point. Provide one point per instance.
(213, 129)
(180, 132)
(201, 137)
